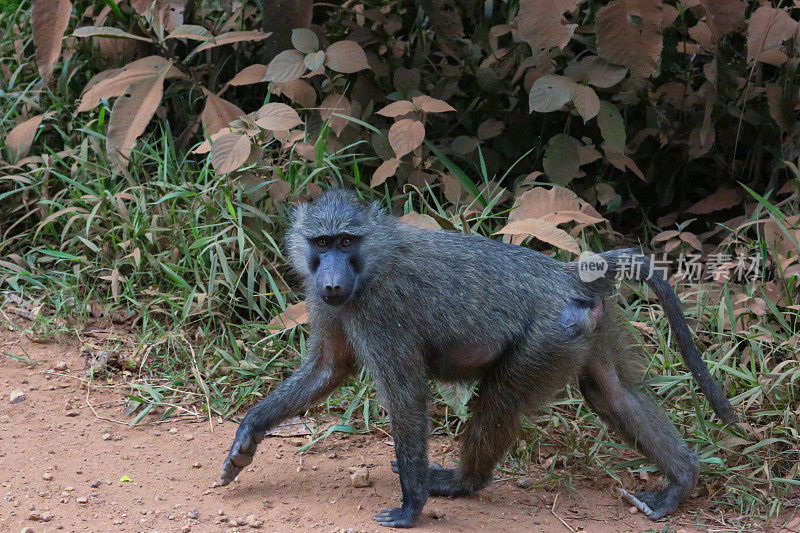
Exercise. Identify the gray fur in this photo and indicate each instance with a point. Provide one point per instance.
(456, 307)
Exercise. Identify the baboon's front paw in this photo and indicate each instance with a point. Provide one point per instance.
(655, 505)
(398, 517)
(241, 455)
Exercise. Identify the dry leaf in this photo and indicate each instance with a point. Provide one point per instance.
(229, 152)
(107, 31)
(20, 138)
(544, 231)
(550, 93)
(287, 66)
(190, 31)
(586, 102)
(542, 24)
(314, 61)
(299, 92)
(490, 128)
(723, 16)
(395, 109)
(277, 116)
(418, 220)
(386, 170)
(431, 105)
(294, 315)
(406, 135)
(629, 34)
(612, 127)
(228, 38)
(49, 20)
(346, 57)
(249, 75)
(114, 82)
(767, 28)
(335, 103)
(218, 112)
(131, 113)
(595, 71)
(723, 198)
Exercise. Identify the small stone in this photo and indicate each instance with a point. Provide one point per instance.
(26, 530)
(82, 499)
(437, 514)
(632, 509)
(189, 437)
(35, 517)
(16, 396)
(5, 419)
(360, 477)
(47, 476)
(332, 455)
(253, 521)
(72, 414)
(186, 529)
(196, 465)
(193, 514)
(173, 430)
(95, 484)
(525, 482)
(106, 436)
(60, 366)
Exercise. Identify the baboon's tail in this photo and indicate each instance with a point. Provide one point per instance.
(631, 263)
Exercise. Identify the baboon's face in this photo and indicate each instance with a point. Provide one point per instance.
(335, 263)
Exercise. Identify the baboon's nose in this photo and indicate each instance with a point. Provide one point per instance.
(333, 290)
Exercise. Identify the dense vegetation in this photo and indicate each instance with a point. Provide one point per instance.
(152, 150)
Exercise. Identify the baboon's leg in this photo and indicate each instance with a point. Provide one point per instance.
(309, 383)
(629, 411)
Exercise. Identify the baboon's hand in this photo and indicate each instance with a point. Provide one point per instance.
(241, 454)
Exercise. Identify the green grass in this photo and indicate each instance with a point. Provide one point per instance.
(192, 264)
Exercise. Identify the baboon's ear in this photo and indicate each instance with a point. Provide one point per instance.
(298, 213)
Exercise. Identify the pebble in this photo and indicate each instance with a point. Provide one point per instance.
(193, 514)
(196, 465)
(253, 521)
(173, 430)
(632, 509)
(186, 529)
(5, 419)
(437, 513)
(189, 437)
(26, 530)
(60, 366)
(525, 482)
(360, 477)
(82, 499)
(47, 476)
(106, 436)
(332, 455)
(16, 396)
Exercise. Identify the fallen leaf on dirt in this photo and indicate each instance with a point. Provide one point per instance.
(292, 316)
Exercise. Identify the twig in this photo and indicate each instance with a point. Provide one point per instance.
(553, 511)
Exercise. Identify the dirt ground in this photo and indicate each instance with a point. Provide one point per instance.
(63, 467)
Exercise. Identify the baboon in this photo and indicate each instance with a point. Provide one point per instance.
(410, 304)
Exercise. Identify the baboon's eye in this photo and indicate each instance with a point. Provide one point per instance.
(322, 242)
(345, 242)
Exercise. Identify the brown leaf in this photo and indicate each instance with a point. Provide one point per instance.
(107, 31)
(723, 16)
(386, 170)
(229, 152)
(550, 93)
(306, 151)
(293, 316)
(277, 116)
(218, 112)
(396, 109)
(490, 128)
(580, 217)
(346, 57)
(249, 75)
(228, 38)
(595, 71)
(418, 220)
(20, 138)
(666, 235)
(629, 34)
(287, 66)
(299, 92)
(431, 105)
(542, 24)
(586, 102)
(692, 239)
(118, 80)
(722, 198)
(335, 103)
(49, 19)
(406, 135)
(539, 202)
(314, 61)
(131, 113)
(768, 28)
(190, 31)
(544, 231)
